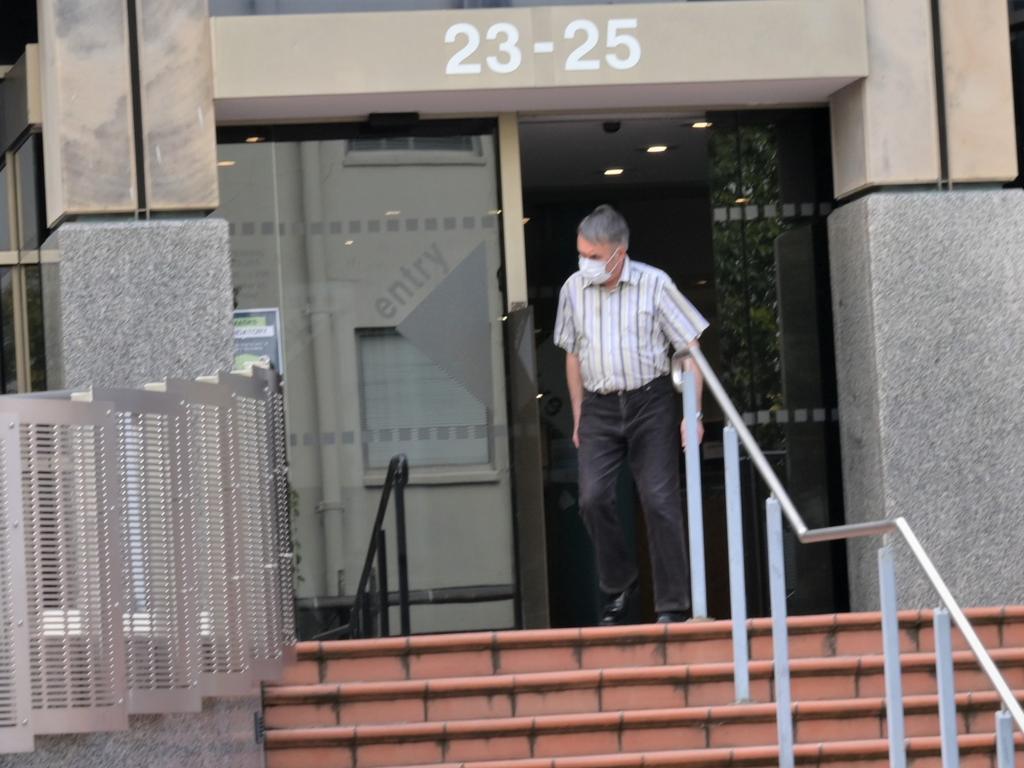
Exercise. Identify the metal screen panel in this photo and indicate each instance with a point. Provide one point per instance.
(254, 491)
(158, 544)
(72, 522)
(16, 733)
(224, 663)
(282, 508)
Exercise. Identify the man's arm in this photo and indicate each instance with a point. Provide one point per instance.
(575, 380)
(698, 378)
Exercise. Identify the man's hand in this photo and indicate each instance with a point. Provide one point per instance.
(682, 432)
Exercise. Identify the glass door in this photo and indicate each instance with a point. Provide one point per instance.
(379, 251)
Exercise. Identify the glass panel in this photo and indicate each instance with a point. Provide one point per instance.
(34, 318)
(8, 359)
(31, 210)
(5, 223)
(411, 406)
(266, 7)
(383, 256)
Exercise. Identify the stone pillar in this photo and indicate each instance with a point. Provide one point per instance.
(928, 297)
(128, 126)
(134, 302)
(927, 293)
(885, 127)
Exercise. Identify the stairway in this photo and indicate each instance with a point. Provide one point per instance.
(645, 695)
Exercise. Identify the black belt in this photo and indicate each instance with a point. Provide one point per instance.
(651, 386)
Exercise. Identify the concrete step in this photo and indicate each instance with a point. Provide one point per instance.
(552, 737)
(609, 690)
(517, 652)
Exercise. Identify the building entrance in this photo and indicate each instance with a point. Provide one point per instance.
(732, 206)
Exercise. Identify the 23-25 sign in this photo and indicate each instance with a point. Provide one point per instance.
(622, 49)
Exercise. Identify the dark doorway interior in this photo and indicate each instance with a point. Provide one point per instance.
(17, 29)
(734, 212)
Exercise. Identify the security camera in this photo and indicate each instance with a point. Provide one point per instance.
(612, 126)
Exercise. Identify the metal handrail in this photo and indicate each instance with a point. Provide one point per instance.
(850, 531)
(396, 479)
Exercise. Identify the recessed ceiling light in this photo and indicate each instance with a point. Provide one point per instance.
(701, 282)
(225, 163)
(254, 139)
(392, 213)
(742, 200)
(702, 124)
(613, 172)
(656, 148)
(350, 242)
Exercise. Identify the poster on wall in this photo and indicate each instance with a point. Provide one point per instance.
(258, 338)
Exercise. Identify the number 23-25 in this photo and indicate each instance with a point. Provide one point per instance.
(510, 55)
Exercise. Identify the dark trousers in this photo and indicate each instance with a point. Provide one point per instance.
(641, 426)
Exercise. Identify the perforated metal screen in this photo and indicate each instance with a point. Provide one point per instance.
(161, 617)
(255, 502)
(74, 587)
(282, 509)
(224, 661)
(16, 733)
(145, 552)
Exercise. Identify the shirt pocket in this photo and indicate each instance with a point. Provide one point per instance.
(645, 325)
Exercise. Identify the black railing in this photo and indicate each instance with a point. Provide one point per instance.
(361, 621)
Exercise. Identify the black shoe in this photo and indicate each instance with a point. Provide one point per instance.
(615, 609)
(671, 617)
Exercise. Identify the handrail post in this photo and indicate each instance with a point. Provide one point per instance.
(780, 633)
(737, 573)
(694, 500)
(1004, 740)
(891, 650)
(401, 479)
(946, 688)
(383, 603)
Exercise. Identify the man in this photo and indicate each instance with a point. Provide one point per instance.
(616, 320)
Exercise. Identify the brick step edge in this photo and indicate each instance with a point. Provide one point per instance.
(969, 707)
(537, 682)
(913, 620)
(855, 753)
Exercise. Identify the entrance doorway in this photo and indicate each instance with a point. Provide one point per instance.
(732, 206)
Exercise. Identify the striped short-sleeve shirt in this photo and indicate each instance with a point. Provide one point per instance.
(622, 335)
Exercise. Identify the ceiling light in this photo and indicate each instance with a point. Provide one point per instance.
(392, 213)
(540, 397)
(225, 163)
(254, 139)
(742, 200)
(701, 282)
(702, 124)
(657, 148)
(350, 242)
(613, 172)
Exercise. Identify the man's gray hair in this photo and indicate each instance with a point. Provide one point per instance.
(604, 225)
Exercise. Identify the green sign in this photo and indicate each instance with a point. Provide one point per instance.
(258, 338)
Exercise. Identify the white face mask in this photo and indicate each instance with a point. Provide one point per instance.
(597, 272)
